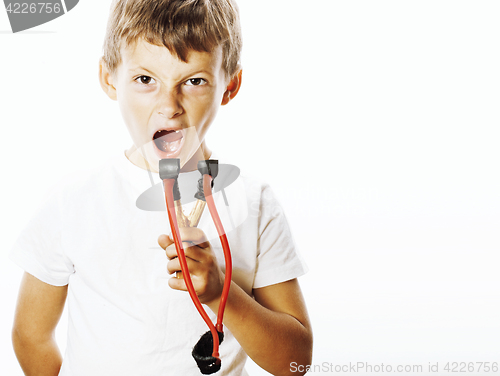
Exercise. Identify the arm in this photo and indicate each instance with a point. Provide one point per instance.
(274, 329)
(39, 308)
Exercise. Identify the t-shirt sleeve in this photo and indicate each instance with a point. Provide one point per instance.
(38, 249)
(278, 259)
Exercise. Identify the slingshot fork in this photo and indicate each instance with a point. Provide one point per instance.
(193, 219)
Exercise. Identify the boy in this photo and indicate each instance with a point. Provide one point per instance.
(170, 64)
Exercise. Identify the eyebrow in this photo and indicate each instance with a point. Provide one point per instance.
(201, 71)
(140, 68)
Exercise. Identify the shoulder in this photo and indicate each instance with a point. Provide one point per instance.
(245, 187)
(260, 192)
(255, 187)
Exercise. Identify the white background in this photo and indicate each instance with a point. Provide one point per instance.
(376, 123)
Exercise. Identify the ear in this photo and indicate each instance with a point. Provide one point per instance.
(232, 88)
(106, 80)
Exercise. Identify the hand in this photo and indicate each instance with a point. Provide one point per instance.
(207, 278)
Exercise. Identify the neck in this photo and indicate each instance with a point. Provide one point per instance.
(201, 154)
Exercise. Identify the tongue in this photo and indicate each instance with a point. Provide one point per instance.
(167, 140)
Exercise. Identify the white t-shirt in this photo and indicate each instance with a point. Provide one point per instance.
(124, 319)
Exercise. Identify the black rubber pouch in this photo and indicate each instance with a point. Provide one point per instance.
(202, 353)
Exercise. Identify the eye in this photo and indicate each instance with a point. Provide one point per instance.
(196, 82)
(146, 80)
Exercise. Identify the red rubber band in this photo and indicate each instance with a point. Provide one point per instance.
(207, 191)
(168, 185)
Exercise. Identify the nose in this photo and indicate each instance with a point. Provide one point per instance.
(169, 105)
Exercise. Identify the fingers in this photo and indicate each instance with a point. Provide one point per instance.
(174, 265)
(190, 251)
(194, 235)
(164, 241)
(201, 261)
(177, 284)
(206, 277)
(171, 251)
(194, 257)
(190, 236)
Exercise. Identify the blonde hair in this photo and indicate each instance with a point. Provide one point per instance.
(179, 25)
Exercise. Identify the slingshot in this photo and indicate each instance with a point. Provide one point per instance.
(206, 351)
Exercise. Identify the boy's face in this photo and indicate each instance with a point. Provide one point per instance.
(168, 105)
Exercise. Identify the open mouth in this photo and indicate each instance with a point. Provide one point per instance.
(168, 143)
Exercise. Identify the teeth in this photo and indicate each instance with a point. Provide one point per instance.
(166, 130)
